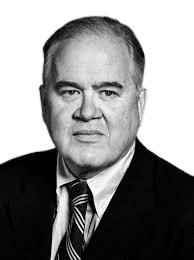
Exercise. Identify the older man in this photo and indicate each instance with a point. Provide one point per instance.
(101, 194)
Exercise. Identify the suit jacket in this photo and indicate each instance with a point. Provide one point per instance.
(149, 217)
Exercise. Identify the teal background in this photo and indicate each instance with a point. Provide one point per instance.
(165, 29)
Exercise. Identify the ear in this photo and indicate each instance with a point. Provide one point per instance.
(43, 101)
(141, 103)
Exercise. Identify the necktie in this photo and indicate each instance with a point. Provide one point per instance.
(74, 240)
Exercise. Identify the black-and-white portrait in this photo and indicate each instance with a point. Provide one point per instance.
(96, 131)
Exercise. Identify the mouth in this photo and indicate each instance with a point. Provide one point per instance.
(87, 132)
(88, 136)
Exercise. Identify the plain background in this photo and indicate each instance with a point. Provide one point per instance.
(166, 31)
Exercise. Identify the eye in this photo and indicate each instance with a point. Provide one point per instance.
(70, 92)
(109, 93)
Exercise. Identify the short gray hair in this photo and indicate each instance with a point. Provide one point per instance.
(100, 26)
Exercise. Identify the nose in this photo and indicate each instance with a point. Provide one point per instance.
(88, 109)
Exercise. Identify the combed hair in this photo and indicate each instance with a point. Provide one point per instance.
(100, 26)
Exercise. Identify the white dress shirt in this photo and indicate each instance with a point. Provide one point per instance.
(103, 186)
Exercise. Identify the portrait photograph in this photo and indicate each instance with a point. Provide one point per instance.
(96, 132)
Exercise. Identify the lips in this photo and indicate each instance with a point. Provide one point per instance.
(87, 132)
(88, 136)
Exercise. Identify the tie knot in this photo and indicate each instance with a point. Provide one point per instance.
(78, 192)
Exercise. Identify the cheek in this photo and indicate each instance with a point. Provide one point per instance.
(126, 116)
(61, 122)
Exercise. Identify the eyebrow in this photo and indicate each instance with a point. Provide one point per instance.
(64, 83)
(114, 84)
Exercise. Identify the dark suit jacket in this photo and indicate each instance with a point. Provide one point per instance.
(149, 217)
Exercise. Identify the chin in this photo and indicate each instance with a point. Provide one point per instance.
(87, 162)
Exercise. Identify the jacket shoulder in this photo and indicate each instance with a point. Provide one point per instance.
(162, 166)
(18, 171)
(171, 183)
(28, 161)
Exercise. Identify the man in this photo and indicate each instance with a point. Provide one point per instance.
(101, 194)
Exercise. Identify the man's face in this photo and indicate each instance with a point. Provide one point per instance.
(91, 108)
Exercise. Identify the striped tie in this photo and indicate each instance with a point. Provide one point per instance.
(74, 244)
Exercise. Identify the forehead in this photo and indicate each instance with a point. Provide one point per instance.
(93, 56)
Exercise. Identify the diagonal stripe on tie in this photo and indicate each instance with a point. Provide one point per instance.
(71, 251)
(78, 215)
(80, 224)
(82, 198)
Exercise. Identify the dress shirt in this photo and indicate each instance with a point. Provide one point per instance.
(103, 186)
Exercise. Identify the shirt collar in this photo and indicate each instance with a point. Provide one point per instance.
(103, 185)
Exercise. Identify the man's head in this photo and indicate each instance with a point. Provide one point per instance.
(91, 95)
